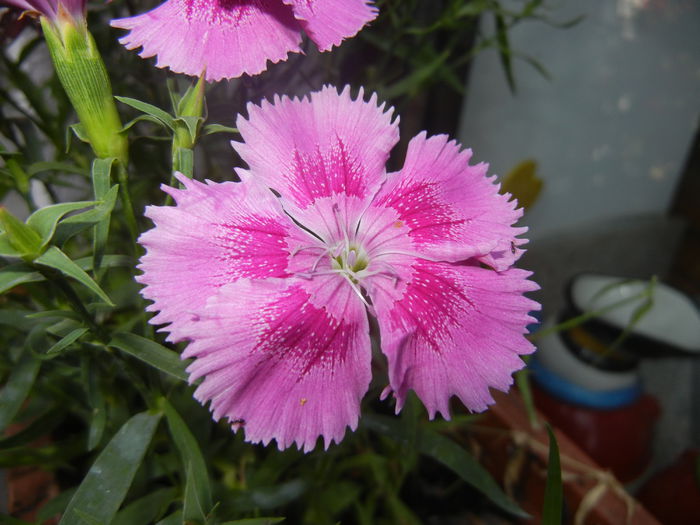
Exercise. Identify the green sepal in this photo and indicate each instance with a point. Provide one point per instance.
(191, 126)
(192, 102)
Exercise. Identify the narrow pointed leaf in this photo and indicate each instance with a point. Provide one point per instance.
(6, 247)
(66, 167)
(67, 340)
(18, 273)
(210, 129)
(44, 221)
(79, 131)
(75, 224)
(101, 180)
(450, 454)
(146, 509)
(17, 388)
(149, 109)
(55, 258)
(198, 499)
(173, 519)
(551, 513)
(21, 237)
(192, 123)
(142, 118)
(151, 353)
(104, 488)
(504, 51)
(255, 521)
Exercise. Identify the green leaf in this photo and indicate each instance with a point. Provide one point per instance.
(67, 340)
(146, 509)
(149, 109)
(447, 452)
(553, 492)
(22, 238)
(141, 118)
(105, 486)
(44, 220)
(16, 274)
(192, 123)
(101, 180)
(173, 519)
(55, 506)
(17, 387)
(21, 273)
(270, 497)
(151, 353)
(504, 51)
(79, 131)
(255, 521)
(198, 500)
(55, 258)
(210, 129)
(75, 224)
(6, 247)
(40, 167)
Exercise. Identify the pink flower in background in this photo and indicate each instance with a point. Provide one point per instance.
(50, 8)
(274, 293)
(232, 37)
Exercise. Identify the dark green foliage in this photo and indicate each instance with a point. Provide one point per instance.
(82, 370)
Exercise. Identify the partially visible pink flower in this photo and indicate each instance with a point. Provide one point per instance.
(50, 8)
(228, 38)
(274, 293)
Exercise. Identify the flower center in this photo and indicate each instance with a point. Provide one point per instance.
(349, 260)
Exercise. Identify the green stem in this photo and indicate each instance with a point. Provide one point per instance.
(129, 214)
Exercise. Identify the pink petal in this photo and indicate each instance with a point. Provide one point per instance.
(216, 234)
(453, 330)
(454, 211)
(278, 365)
(328, 22)
(225, 37)
(325, 145)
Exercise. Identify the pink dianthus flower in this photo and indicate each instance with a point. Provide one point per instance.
(232, 37)
(274, 293)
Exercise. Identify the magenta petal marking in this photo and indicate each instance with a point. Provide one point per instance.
(321, 146)
(454, 330)
(216, 234)
(225, 37)
(279, 367)
(453, 210)
(328, 22)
